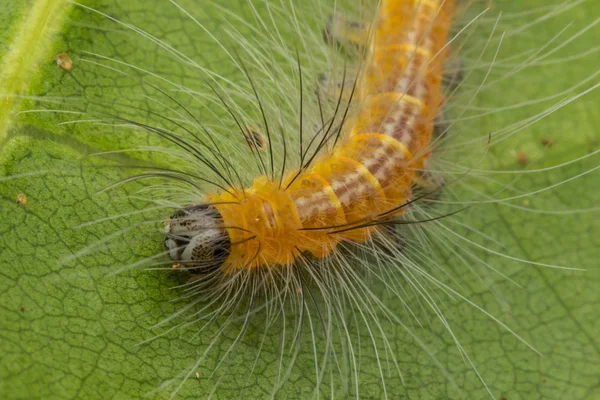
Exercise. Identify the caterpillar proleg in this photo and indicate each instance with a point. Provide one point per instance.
(305, 199)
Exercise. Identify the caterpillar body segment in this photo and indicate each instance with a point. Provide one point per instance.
(368, 175)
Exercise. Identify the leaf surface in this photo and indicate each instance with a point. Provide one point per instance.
(70, 329)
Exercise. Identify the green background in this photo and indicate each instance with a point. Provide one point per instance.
(67, 330)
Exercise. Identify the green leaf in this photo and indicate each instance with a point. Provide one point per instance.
(71, 329)
(29, 44)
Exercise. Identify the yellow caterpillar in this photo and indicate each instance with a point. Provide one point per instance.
(344, 194)
(290, 281)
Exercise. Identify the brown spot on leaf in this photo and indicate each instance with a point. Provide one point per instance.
(548, 142)
(64, 61)
(522, 158)
(254, 138)
(21, 199)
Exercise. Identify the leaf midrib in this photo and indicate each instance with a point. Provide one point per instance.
(32, 41)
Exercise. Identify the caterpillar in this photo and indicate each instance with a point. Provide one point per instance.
(344, 195)
(348, 219)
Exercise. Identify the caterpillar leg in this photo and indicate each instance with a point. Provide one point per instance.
(430, 183)
(440, 126)
(391, 239)
(453, 73)
(342, 30)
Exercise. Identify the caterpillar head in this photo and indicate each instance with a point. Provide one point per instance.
(197, 239)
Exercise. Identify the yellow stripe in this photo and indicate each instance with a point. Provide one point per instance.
(389, 140)
(411, 48)
(428, 3)
(399, 96)
(404, 47)
(365, 173)
(331, 194)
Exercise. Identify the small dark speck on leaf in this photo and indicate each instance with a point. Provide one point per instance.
(522, 158)
(548, 142)
(22, 309)
(254, 138)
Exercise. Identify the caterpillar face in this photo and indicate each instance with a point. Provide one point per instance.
(197, 238)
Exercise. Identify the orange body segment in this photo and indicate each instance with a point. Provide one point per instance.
(369, 175)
